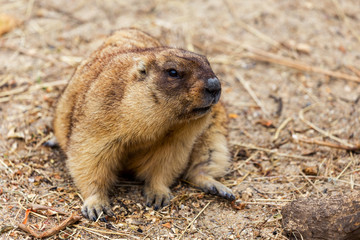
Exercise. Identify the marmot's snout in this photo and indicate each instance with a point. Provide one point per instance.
(212, 90)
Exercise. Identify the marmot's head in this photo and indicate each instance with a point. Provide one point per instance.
(181, 80)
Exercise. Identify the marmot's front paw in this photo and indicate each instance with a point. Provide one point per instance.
(157, 198)
(94, 207)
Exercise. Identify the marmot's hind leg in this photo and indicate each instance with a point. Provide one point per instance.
(210, 157)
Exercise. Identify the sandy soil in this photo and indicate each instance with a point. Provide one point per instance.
(39, 55)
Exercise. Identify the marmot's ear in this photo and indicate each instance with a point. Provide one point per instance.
(140, 65)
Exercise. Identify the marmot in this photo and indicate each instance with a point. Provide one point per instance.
(136, 105)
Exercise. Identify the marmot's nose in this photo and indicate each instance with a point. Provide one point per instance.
(213, 89)
(213, 86)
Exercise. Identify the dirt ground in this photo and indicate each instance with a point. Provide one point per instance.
(275, 59)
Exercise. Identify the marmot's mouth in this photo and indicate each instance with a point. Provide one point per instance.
(201, 110)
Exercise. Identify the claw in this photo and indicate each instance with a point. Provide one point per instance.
(96, 208)
(231, 197)
(213, 190)
(216, 188)
(157, 199)
(93, 214)
(108, 212)
(84, 212)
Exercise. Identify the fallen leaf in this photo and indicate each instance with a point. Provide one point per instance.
(5, 229)
(200, 196)
(7, 23)
(167, 225)
(300, 47)
(308, 152)
(342, 49)
(71, 60)
(57, 176)
(312, 171)
(239, 206)
(233, 115)
(51, 212)
(38, 178)
(304, 48)
(265, 123)
(26, 215)
(13, 134)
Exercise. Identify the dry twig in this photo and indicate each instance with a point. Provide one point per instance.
(52, 231)
(37, 207)
(264, 56)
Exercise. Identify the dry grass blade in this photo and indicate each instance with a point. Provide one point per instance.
(249, 28)
(325, 144)
(342, 172)
(93, 230)
(247, 87)
(354, 69)
(191, 223)
(14, 91)
(262, 203)
(246, 161)
(48, 84)
(6, 166)
(327, 134)
(29, 53)
(43, 140)
(312, 184)
(6, 96)
(273, 151)
(281, 127)
(261, 55)
(344, 18)
(272, 200)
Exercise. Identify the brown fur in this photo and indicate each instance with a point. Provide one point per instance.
(122, 111)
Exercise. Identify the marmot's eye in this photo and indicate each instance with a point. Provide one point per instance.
(173, 73)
